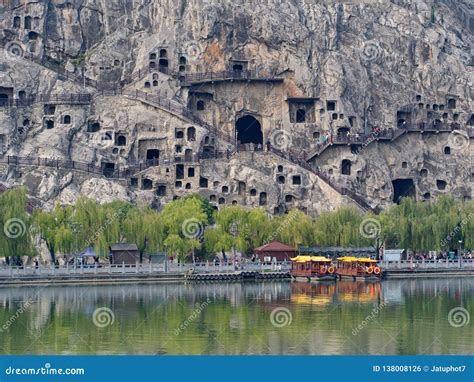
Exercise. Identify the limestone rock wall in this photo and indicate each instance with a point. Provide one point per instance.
(303, 70)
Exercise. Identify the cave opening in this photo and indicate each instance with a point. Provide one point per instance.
(153, 154)
(403, 188)
(300, 115)
(188, 155)
(249, 130)
(121, 140)
(343, 132)
(346, 167)
(179, 171)
(161, 190)
(3, 99)
(16, 22)
(28, 22)
(237, 67)
(147, 184)
(108, 168)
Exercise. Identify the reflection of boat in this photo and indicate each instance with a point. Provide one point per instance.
(319, 294)
(350, 291)
(312, 268)
(358, 268)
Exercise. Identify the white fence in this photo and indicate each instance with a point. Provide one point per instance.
(427, 264)
(131, 269)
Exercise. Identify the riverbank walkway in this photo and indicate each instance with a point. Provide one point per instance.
(166, 272)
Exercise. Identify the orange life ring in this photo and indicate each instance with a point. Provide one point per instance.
(377, 270)
(331, 269)
(370, 269)
(323, 269)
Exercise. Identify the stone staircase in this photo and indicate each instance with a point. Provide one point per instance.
(180, 110)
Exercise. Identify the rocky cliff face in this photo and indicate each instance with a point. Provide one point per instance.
(337, 101)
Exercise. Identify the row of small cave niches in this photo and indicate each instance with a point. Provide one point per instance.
(159, 60)
(408, 184)
(253, 193)
(181, 183)
(451, 103)
(303, 111)
(50, 119)
(27, 23)
(441, 113)
(161, 191)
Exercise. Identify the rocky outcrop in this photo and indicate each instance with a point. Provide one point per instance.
(117, 87)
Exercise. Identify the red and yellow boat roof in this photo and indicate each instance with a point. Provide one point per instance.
(307, 259)
(352, 259)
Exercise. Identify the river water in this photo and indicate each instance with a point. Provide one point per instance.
(392, 317)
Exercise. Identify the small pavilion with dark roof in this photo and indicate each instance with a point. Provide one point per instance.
(275, 251)
(123, 253)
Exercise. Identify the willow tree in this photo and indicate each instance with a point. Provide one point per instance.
(15, 238)
(180, 247)
(96, 225)
(467, 226)
(421, 227)
(217, 241)
(231, 232)
(54, 228)
(184, 221)
(143, 227)
(343, 228)
(294, 229)
(260, 228)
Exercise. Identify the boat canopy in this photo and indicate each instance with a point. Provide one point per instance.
(366, 260)
(307, 259)
(351, 259)
(347, 259)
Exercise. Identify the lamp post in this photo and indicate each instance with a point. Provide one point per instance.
(377, 246)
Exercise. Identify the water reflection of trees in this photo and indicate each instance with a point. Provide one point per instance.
(236, 320)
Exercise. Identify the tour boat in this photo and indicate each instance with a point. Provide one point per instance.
(358, 268)
(312, 268)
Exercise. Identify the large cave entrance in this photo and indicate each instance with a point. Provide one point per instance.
(403, 188)
(249, 130)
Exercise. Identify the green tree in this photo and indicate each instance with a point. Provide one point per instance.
(143, 227)
(54, 228)
(15, 223)
(184, 221)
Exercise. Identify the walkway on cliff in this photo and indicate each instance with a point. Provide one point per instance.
(189, 79)
(384, 135)
(174, 107)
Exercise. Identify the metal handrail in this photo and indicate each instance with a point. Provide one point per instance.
(79, 98)
(333, 139)
(131, 169)
(248, 74)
